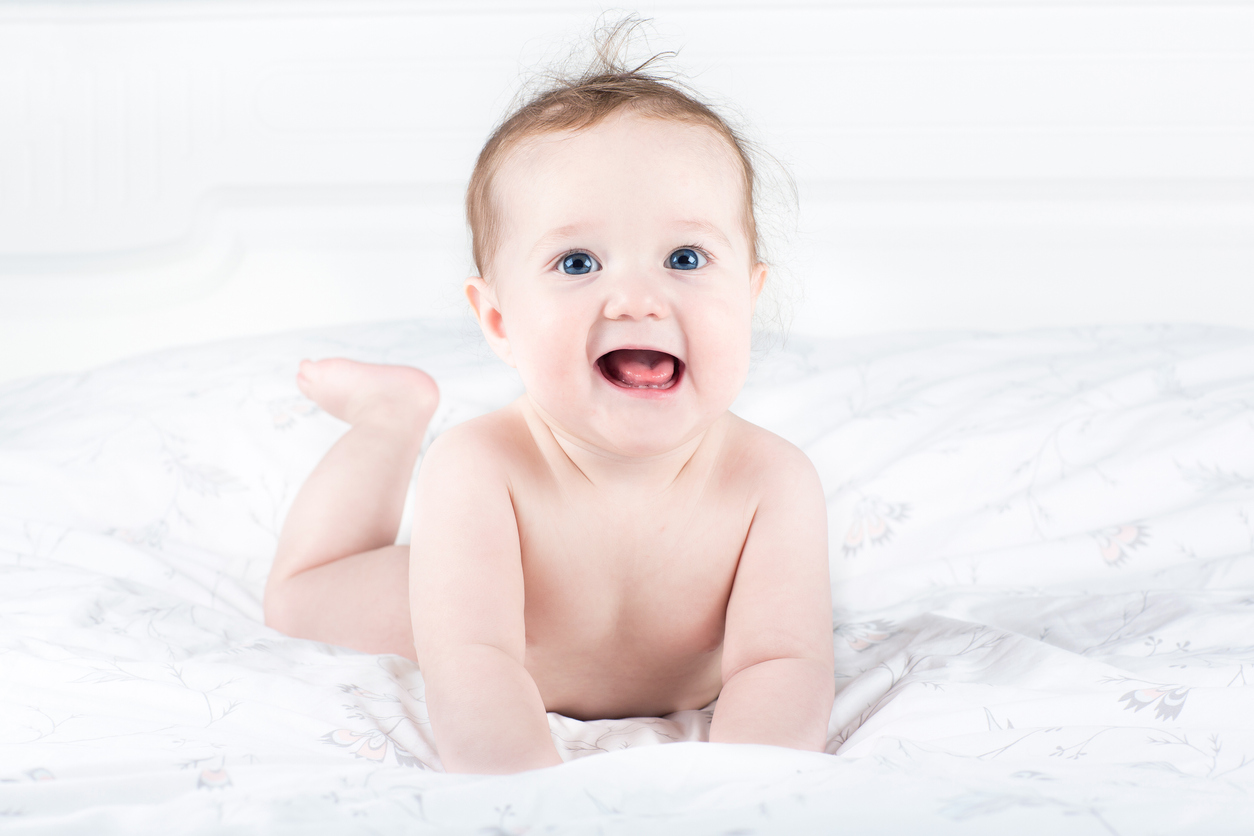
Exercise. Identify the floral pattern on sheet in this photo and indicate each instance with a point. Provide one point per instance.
(872, 524)
(1042, 552)
(1167, 700)
(1117, 542)
(385, 729)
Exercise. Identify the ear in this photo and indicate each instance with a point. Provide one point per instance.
(757, 281)
(488, 311)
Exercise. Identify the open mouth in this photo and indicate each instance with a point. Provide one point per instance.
(641, 368)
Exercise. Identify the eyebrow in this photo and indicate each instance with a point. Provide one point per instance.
(551, 237)
(708, 229)
(561, 233)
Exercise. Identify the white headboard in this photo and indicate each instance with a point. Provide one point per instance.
(179, 170)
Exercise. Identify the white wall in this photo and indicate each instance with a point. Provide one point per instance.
(174, 171)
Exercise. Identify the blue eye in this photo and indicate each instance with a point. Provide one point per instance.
(686, 258)
(577, 264)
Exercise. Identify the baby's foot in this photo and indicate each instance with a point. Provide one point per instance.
(366, 393)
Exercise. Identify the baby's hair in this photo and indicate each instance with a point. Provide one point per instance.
(573, 102)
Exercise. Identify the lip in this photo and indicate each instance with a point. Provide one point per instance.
(644, 392)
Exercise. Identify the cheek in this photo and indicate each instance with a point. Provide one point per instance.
(734, 362)
(546, 339)
(720, 344)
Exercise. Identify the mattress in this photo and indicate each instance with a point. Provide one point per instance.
(1042, 554)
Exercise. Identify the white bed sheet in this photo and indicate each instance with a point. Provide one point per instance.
(1043, 578)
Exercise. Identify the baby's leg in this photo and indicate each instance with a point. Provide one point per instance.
(337, 576)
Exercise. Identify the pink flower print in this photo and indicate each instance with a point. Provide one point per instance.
(285, 412)
(1116, 542)
(213, 779)
(1168, 699)
(862, 635)
(370, 745)
(871, 525)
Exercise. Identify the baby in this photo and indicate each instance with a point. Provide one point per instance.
(614, 543)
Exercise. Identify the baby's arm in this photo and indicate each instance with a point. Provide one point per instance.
(466, 592)
(778, 680)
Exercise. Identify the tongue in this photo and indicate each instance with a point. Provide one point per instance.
(640, 367)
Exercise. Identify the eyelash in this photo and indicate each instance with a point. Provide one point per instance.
(698, 248)
(708, 258)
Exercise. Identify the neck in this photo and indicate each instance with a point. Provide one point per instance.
(612, 470)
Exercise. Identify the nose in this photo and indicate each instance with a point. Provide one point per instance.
(637, 295)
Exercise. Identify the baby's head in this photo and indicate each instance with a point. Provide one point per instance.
(614, 234)
(576, 105)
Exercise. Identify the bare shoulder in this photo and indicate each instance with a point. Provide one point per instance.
(763, 459)
(488, 444)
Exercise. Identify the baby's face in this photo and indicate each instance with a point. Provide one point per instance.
(623, 287)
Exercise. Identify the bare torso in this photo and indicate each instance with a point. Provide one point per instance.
(626, 591)
(546, 575)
